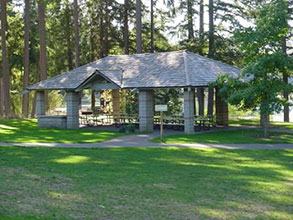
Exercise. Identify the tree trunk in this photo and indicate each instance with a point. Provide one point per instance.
(107, 29)
(68, 37)
(92, 42)
(211, 29)
(33, 112)
(286, 97)
(201, 27)
(25, 98)
(138, 27)
(125, 28)
(266, 121)
(102, 30)
(1, 98)
(76, 33)
(5, 65)
(200, 98)
(262, 120)
(152, 26)
(190, 21)
(93, 100)
(43, 49)
(285, 80)
(222, 111)
(211, 101)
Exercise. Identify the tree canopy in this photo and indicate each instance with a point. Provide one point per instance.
(261, 84)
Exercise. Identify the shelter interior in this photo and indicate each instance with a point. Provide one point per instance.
(195, 113)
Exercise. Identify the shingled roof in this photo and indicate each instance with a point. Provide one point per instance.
(149, 70)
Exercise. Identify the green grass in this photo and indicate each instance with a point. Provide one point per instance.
(249, 122)
(145, 183)
(255, 122)
(27, 131)
(239, 136)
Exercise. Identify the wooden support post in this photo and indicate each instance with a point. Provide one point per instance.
(161, 126)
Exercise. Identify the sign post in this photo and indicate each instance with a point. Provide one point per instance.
(161, 109)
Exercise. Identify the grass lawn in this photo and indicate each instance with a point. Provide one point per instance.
(145, 183)
(250, 122)
(239, 136)
(27, 131)
(254, 122)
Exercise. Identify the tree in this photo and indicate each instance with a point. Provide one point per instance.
(152, 26)
(5, 65)
(211, 54)
(76, 33)
(25, 99)
(43, 46)
(285, 79)
(201, 27)
(186, 27)
(1, 98)
(285, 76)
(211, 29)
(200, 98)
(125, 27)
(102, 30)
(68, 24)
(138, 27)
(261, 84)
(190, 20)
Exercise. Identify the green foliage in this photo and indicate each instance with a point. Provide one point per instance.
(130, 103)
(236, 113)
(261, 84)
(169, 97)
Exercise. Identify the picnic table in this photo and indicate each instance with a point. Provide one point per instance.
(170, 122)
(122, 120)
(91, 119)
(201, 122)
(204, 122)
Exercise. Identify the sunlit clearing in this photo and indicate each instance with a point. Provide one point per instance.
(6, 132)
(65, 196)
(72, 159)
(7, 127)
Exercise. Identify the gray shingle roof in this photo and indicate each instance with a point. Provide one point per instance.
(149, 70)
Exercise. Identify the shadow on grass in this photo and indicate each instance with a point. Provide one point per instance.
(148, 183)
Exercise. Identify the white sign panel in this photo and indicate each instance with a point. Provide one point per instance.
(161, 108)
